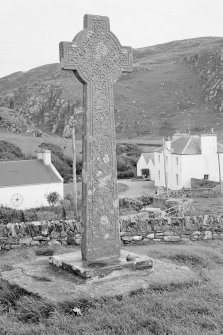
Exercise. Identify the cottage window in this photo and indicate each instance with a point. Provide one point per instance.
(177, 179)
(177, 160)
(159, 175)
(206, 176)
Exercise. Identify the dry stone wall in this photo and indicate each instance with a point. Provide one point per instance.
(145, 227)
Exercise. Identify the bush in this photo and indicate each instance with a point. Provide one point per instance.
(53, 198)
(62, 167)
(62, 163)
(146, 199)
(44, 251)
(128, 149)
(10, 215)
(126, 174)
(78, 167)
(9, 151)
(131, 204)
(121, 164)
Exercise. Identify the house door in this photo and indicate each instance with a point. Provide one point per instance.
(146, 173)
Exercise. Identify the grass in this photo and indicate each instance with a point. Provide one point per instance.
(208, 205)
(45, 251)
(161, 309)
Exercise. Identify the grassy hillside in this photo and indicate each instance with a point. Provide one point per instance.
(164, 92)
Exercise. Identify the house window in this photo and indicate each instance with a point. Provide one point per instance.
(177, 179)
(177, 160)
(159, 175)
(206, 176)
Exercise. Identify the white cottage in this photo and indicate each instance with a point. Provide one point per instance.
(145, 165)
(25, 184)
(188, 156)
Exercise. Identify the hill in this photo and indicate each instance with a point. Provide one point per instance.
(173, 86)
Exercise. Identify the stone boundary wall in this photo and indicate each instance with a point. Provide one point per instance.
(45, 233)
(193, 192)
(140, 227)
(144, 227)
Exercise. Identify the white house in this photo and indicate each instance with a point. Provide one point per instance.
(145, 165)
(188, 156)
(25, 184)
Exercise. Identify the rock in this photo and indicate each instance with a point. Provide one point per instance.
(36, 226)
(15, 246)
(196, 235)
(150, 236)
(71, 240)
(185, 239)
(187, 222)
(205, 220)
(71, 225)
(195, 220)
(11, 229)
(130, 258)
(207, 235)
(6, 247)
(159, 235)
(41, 238)
(44, 228)
(169, 233)
(77, 240)
(53, 243)
(78, 227)
(127, 239)
(34, 243)
(172, 238)
(63, 241)
(54, 235)
(137, 238)
(25, 241)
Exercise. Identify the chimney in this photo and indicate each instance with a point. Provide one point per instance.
(45, 156)
(39, 155)
(168, 144)
(209, 143)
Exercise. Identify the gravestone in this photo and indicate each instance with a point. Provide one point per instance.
(98, 59)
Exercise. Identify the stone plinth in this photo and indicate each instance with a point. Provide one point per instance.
(74, 263)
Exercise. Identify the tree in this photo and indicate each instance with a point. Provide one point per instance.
(53, 198)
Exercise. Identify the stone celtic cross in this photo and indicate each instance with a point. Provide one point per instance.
(98, 59)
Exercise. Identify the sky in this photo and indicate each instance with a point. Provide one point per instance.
(30, 30)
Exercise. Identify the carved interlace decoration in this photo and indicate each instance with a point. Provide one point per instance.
(98, 58)
(98, 55)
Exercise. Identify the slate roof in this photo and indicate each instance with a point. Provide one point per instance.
(188, 145)
(220, 147)
(147, 156)
(26, 172)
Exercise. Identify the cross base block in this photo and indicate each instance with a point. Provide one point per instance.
(73, 263)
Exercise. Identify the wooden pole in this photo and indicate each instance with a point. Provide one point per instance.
(74, 170)
(219, 167)
(165, 172)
